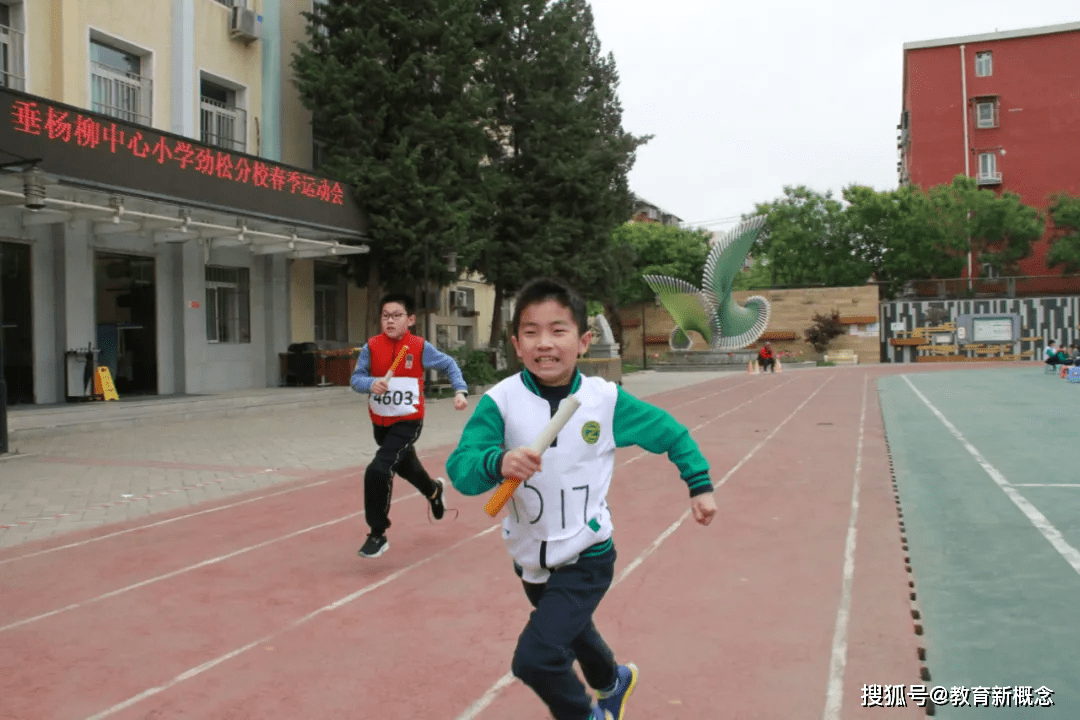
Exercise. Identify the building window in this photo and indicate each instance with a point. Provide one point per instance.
(322, 29)
(986, 112)
(117, 86)
(221, 122)
(462, 300)
(12, 73)
(329, 303)
(984, 64)
(228, 305)
(988, 171)
(318, 153)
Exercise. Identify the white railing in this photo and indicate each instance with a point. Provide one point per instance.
(222, 125)
(120, 94)
(989, 178)
(12, 72)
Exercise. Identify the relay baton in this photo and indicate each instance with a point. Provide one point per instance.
(567, 407)
(397, 361)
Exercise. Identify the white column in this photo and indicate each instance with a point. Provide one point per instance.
(184, 82)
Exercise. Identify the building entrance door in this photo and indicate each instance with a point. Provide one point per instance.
(126, 321)
(15, 318)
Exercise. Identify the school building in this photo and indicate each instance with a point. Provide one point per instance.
(161, 211)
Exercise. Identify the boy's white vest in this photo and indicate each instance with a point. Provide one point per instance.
(562, 510)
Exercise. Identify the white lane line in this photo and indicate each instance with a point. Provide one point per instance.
(189, 568)
(744, 403)
(834, 694)
(1050, 485)
(1041, 523)
(130, 500)
(159, 523)
(709, 395)
(489, 696)
(200, 669)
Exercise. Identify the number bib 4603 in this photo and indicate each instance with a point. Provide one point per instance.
(401, 398)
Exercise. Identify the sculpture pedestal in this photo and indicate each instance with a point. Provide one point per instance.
(604, 350)
(707, 360)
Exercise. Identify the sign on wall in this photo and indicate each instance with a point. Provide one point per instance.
(992, 329)
(987, 328)
(105, 152)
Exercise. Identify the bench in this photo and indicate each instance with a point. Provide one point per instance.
(842, 357)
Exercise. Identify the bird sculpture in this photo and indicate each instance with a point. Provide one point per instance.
(712, 311)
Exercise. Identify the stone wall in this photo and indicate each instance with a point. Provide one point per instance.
(792, 311)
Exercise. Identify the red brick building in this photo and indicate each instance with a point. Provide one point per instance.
(1002, 107)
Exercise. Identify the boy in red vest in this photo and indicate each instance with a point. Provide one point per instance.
(397, 413)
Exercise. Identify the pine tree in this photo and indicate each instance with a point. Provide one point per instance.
(393, 90)
(559, 157)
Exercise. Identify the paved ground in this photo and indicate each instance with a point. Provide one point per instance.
(257, 606)
(988, 482)
(80, 480)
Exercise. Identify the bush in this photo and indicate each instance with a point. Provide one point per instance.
(477, 366)
(824, 329)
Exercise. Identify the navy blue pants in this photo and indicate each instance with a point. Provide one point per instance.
(560, 630)
(396, 455)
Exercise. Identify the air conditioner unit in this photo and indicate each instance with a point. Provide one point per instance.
(244, 24)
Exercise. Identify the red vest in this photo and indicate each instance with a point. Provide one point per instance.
(383, 351)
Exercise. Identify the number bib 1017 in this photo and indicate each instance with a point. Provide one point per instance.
(401, 398)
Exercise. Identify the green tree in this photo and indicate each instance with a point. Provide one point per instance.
(806, 241)
(558, 157)
(655, 249)
(906, 234)
(394, 94)
(756, 277)
(1065, 250)
(1000, 227)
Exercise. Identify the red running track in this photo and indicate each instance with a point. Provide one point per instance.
(259, 608)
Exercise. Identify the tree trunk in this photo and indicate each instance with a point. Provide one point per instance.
(496, 318)
(371, 321)
(615, 321)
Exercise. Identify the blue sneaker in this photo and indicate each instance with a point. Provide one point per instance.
(614, 702)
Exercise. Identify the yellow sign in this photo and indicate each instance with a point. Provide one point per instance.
(103, 384)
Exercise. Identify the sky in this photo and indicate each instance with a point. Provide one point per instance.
(744, 97)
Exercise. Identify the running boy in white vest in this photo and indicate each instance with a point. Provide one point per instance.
(558, 527)
(397, 414)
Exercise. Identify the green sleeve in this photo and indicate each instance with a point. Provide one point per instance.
(654, 429)
(474, 466)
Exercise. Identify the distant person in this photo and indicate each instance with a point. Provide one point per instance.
(397, 414)
(766, 358)
(1050, 353)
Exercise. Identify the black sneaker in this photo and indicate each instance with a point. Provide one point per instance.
(436, 500)
(374, 546)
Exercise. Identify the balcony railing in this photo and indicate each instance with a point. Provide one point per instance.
(989, 178)
(223, 126)
(12, 72)
(120, 94)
